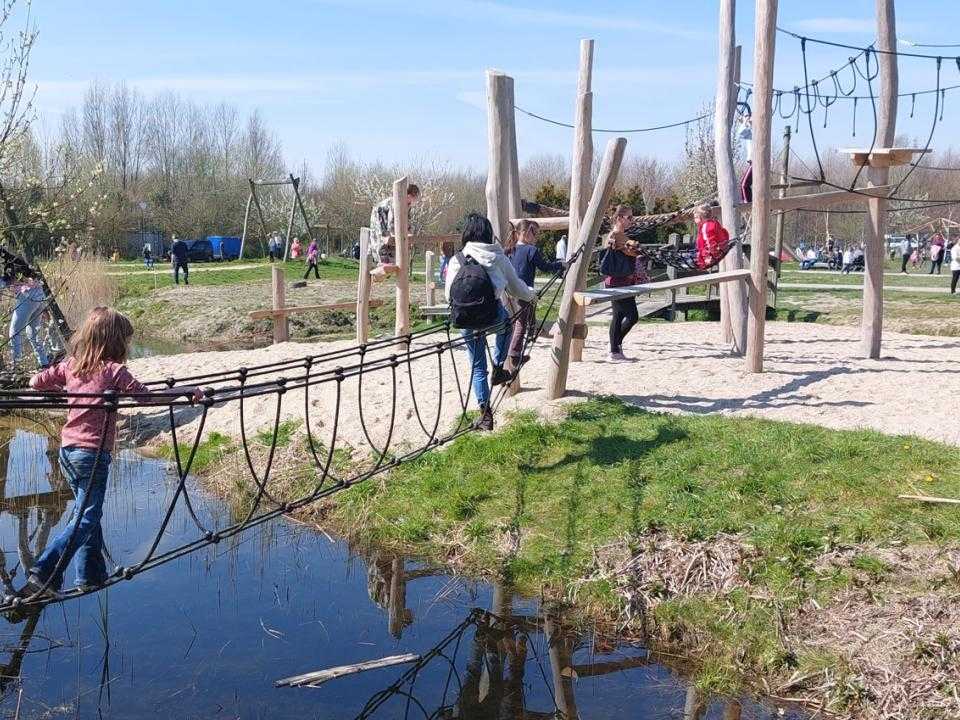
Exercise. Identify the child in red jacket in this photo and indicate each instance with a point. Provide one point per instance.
(712, 237)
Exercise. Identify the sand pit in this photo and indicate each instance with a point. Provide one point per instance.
(812, 376)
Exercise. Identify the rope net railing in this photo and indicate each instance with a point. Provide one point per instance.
(425, 392)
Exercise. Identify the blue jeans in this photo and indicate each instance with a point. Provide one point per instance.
(25, 320)
(87, 543)
(477, 348)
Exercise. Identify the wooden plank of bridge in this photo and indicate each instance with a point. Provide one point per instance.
(284, 311)
(281, 331)
(593, 297)
(363, 289)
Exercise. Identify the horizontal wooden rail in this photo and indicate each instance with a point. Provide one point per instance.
(592, 297)
(283, 312)
(818, 200)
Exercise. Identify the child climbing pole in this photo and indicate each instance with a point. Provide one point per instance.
(383, 233)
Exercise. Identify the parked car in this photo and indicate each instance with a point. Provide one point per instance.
(199, 250)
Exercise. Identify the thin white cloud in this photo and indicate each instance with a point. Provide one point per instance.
(491, 11)
(848, 25)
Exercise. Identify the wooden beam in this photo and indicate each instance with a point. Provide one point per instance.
(816, 201)
(871, 323)
(283, 312)
(930, 499)
(246, 224)
(363, 289)
(400, 224)
(293, 211)
(581, 165)
(885, 157)
(765, 40)
(498, 152)
(430, 285)
(281, 331)
(593, 297)
(782, 193)
(563, 337)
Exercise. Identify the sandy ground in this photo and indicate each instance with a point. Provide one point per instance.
(812, 374)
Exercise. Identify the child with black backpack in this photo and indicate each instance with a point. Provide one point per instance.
(477, 278)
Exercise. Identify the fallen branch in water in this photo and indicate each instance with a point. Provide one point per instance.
(318, 677)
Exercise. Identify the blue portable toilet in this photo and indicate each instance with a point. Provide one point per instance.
(225, 247)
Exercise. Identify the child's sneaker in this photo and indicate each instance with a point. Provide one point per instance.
(499, 376)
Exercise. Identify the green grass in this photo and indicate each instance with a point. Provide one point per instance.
(211, 450)
(610, 470)
(139, 285)
(284, 434)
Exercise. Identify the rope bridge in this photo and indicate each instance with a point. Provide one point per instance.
(326, 376)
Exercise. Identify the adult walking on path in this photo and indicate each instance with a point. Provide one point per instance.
(179, 260)
(905, 254)
(937, 249)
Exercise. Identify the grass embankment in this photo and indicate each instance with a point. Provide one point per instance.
(543, 504)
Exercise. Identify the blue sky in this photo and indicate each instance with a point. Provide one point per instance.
(395, 80)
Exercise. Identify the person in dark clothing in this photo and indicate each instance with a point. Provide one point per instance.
(619, 269)
(178, 258)
(526, 258)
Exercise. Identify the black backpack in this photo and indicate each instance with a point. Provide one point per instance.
(473, 303)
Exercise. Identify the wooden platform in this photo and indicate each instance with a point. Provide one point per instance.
(883, 157)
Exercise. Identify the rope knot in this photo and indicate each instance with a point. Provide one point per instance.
(242, 372)
(393, 361)
(281, 385)
(308, 362)
(110, 399)
(338, 373)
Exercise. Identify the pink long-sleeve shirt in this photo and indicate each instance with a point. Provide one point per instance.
(84, 425)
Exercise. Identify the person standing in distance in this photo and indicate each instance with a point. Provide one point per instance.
(179, 259)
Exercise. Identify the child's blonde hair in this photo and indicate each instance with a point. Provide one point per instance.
(104, 337)
(517, 231)
(703, 211)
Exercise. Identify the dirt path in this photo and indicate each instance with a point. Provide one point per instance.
(163, 268)
(812, 375)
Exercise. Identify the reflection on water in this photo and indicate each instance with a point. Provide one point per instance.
(208, 634)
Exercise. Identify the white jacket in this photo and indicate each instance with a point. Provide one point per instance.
(499, 268)
(955, 256)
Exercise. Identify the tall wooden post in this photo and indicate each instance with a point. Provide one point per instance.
(733, 298)
(363, 289)
(563, 336)
(782, 192)
(293, 211)
(580, 167)
(871, 327)
(499, 128)
(246, 223)
(280, 328)
(430, 285)
(400, 223)
(256, 202)
(765, 41)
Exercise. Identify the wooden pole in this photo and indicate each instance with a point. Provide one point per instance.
(765, 40)
(499, 113)
(246, 222)
(280, 329)
(563, 336)
(263, 222)
(782, 192)
(514, 203)
(400, 222)
(363, 289)
(293, 211)
(871, 327)
(303, 212)
(431, 285)
(733, 298)
(580, 167)
(724, 111)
